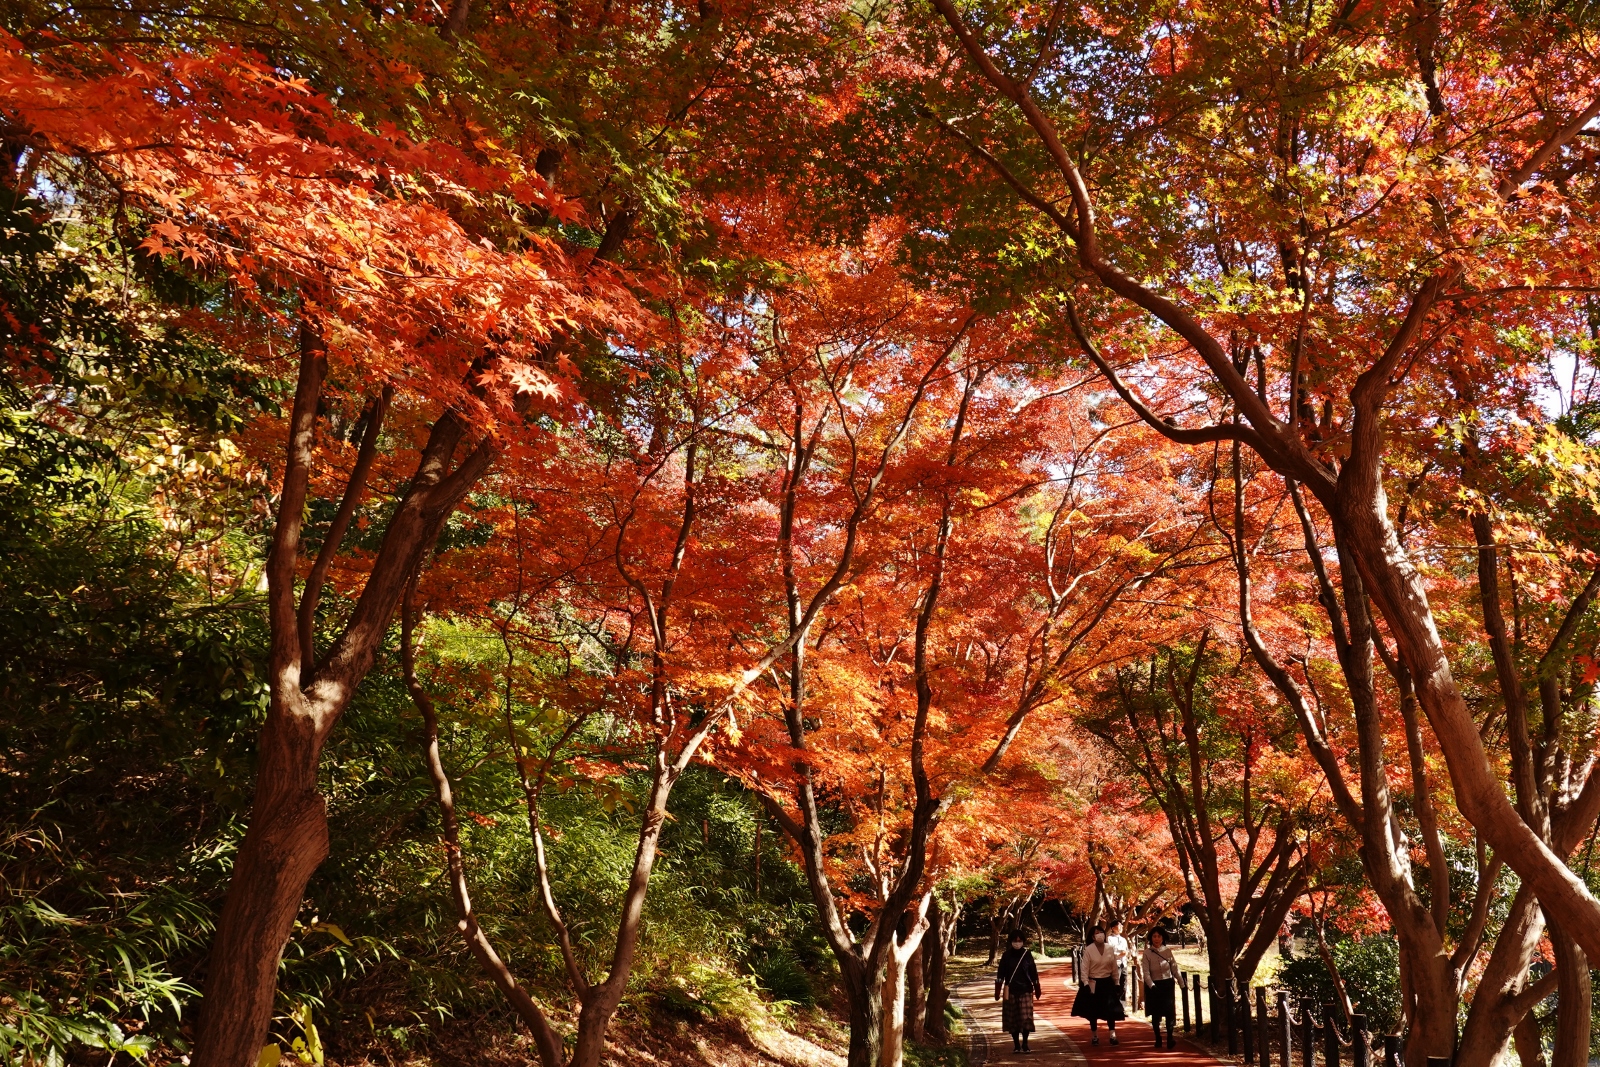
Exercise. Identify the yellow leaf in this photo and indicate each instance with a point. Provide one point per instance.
(330, 928)
(270, 1054)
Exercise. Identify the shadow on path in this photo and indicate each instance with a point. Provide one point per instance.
(1061, 1040)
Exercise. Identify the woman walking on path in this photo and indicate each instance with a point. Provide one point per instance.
(1119, 944)
(1017, 981)
(1098, 997)
(1160, 974)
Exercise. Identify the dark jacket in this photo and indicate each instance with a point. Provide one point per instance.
(1018, 971)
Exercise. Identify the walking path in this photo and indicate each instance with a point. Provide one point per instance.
(1060, 1039)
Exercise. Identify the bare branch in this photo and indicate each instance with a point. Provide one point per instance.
(373, 419)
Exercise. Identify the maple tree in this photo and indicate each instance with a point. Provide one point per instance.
(654, 531)
(850, 399)
(260, 180)
(1386, 717)
(1218, 768)
(1353, 494)
(1325, 234)
(422, 282)
(1119, 864)
(918, 468)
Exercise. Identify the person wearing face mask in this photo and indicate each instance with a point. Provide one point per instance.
(1098, 997)
(1160, 984)
(1016, 981)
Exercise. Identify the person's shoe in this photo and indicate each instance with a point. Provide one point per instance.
(1094, 1039)
(1114, 1040)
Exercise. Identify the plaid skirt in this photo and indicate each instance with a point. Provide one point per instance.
(1016, 1012)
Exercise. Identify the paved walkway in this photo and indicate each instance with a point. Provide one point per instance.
(1060, 1039)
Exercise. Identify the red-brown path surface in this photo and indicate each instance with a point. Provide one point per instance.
(1060, 1039)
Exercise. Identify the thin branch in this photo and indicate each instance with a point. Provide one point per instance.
(372, 417)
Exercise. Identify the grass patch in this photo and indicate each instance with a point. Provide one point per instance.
(951, 1055)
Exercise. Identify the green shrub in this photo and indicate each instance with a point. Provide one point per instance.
(781, 974)
(1370, 968)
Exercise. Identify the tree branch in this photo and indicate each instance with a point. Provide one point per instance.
(373, 420)
(546, 1040)
(287, 666)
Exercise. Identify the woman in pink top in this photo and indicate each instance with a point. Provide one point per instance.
(1098, 996)
(1160, 985)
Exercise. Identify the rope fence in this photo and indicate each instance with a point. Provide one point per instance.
(1283, 1034)
(1275, 1034)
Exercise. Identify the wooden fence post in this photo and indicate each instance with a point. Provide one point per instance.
(1230, 1006)
(1213, 1002)
(1246, 1031)
(1263, 1029)
(1330, 1041)
(1285, 1031)
(1183, 995)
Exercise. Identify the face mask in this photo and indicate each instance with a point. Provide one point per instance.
(1099, 939)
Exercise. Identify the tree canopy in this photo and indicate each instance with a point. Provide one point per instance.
(556, 516)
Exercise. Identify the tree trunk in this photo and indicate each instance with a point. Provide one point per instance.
(917, 992)
(1219, 950)
(1429, 989)
(1530, 1049)
(1575, 1001)
(864, 993)
(1219, 957)
(286, 841)
(600, 1002)
(936, 945)
(892, 1053)
(1432, 1023)
(1495, 1010)
(288, 834)
(594, 1018)
(1360, 513)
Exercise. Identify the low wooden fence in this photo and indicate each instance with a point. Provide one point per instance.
(1283, 1034)
(1275, 1034)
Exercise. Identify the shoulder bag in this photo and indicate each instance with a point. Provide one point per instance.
(1005, 990)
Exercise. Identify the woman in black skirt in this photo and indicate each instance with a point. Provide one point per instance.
(1098, 996)
(1016, 980)
(1160, 984)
